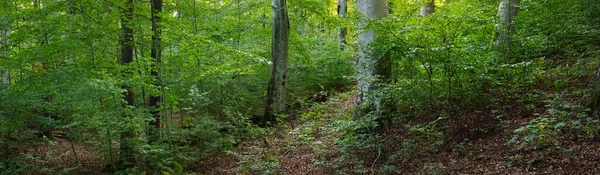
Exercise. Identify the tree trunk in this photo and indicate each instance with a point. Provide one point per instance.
(156, 52)
(428, 8)
(507, 11)
(373, 67)
(5, 46)
(126, 158)
(276, 90)
(342, 10)
(6, 77)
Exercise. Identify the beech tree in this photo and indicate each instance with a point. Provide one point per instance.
(507, 11)
(373, 67)
(279, 51)
(428, 8)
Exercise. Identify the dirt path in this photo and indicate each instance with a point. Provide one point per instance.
(298, 147)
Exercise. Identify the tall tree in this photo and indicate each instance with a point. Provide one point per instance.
(373, 67)
(428, 8)
(507, 11)
(126, 158)
(156, 52)
(342, 10)
(279, 51)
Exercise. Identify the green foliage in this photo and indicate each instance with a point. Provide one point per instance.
(465, 147)
(40, 163)
(65, 76)
(564, 119)
(205, 134)
(14, 166)
(569, 33)
(357, 138)
(63, 57)
(434, 168)
(538, 133)
(441, 55)
(258, 161)
(388, 169)
(177, 169)
(426, 138)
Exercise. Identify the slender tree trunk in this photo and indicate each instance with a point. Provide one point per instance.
(373, 67)
(276, 90)
(5, 47)
(156, 54)
(342, 10)
(507, 11)
(428, 8)
(126, 151)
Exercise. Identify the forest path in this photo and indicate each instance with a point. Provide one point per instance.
(313, 138)
(296, 147)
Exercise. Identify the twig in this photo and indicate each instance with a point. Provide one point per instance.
(375, 161)
(593, 77)
(75, 154)
(73, 149)
(110, 151)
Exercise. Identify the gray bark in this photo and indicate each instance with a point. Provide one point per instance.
(372, 66)
(5, 46)
(6, 77)
(428, 9)
(507, 11)
(276, 90)
(342, 10)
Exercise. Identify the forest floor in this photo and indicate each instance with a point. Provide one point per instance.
(449, 137)
(474, 141)
(296, 147)
(309, 146)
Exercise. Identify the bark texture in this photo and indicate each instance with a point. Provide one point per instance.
(277, 84)
(373, 67)
(507, 11)
(428, 9)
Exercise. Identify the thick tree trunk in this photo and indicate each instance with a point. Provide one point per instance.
(428, 8)
(342, 10)
(373, 67)
(126, 151)
(507, 11)
(276, 90)
(156, 53)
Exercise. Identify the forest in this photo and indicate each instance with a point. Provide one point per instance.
(183, 87)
